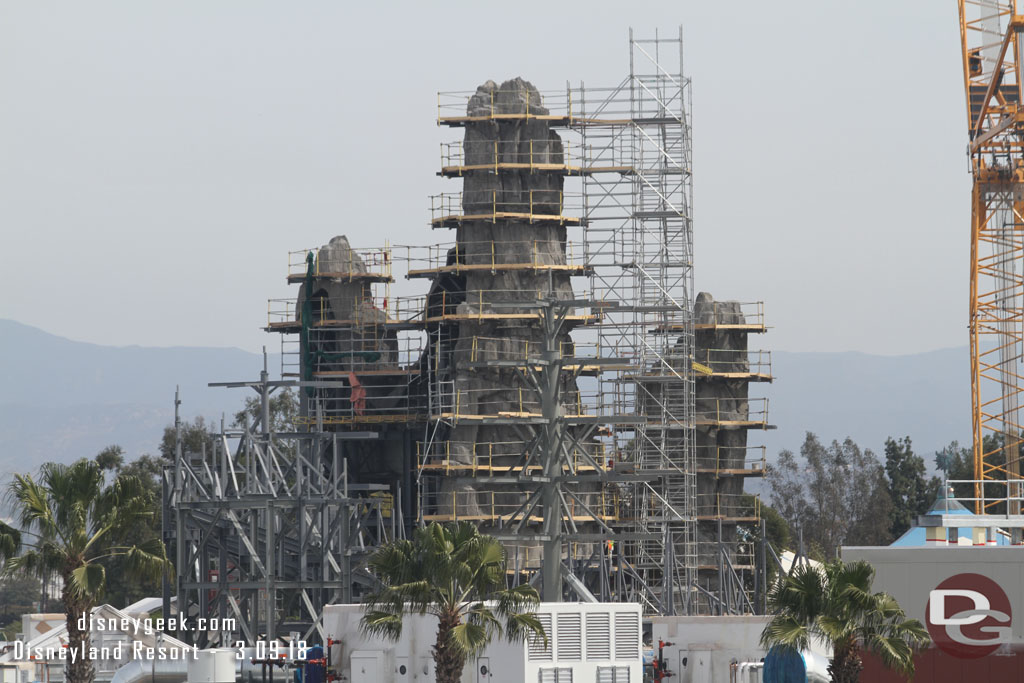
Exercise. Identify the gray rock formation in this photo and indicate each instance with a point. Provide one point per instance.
(723, 447)
(346, 332)
(494, 391)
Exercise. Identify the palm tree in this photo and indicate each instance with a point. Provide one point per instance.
(458, 575)
(834, 604)
(70, 522)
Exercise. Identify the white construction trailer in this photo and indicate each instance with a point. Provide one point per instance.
(587, 643)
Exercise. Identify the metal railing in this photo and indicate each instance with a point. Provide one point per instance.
(994, 492)
(361, 310)
(355, 263)
(729, 506)
(731, 457)
(460, 457)
(732, 361)
(741, 411)
(725, 314)
(527, 205)
(542, 154)
(489, 254)
(507, 104)
(507, 506)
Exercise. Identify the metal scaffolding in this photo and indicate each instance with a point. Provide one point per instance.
(543, 387)
(269, 530)
(638, 241)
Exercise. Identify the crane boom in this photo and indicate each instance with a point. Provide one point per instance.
(990, 35)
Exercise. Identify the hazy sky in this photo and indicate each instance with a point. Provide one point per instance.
(159, 160)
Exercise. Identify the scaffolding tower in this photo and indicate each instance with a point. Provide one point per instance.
(638, 241)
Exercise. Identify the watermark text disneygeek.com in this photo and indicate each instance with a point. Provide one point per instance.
(129, 629)
(149, 626)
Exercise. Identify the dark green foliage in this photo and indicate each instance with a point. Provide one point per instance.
(122, 588)
(835, 494)
(910, 491)
(284, 407)
(110, 458)
(834, 603)
(957, 463)
(776, 529)
(195, 436)
(18, 595)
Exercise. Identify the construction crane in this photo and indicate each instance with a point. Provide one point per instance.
(990, 35)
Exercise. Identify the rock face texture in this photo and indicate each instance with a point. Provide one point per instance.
(346, 334)
(525, 233)
(720, 445)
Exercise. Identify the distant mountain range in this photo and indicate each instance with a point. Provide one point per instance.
(926, 396)
(62, 399)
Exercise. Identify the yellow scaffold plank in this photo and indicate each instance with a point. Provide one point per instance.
(749, 376)
(726, 518)
(364, 373)
(731, 472)
(363, 419)
(504, 316)
(451, 171)
(509, 518)
(524, 217)
(553, 119)
(494, 469)
(294, 278)
(495, 267)
(749, 424)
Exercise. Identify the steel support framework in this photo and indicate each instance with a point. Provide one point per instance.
(267, 532)
(990, 39)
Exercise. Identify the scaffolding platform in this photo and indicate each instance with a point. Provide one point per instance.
(293, 326)
(398, 372)
(493, 316)
(547, 207)
(458, 220)
(506, 519)
(459, 268)
(449, 466)
(362, 265)
(729, 519)
(349, 420)
(488, 256)
(731, 461)
(350, 276)
(753, 472)
(731, 364)
(368, 312)
(733, 424)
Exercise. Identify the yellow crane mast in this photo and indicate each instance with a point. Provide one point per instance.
(990, 33)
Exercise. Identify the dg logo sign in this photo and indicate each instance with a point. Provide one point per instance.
(968, 616)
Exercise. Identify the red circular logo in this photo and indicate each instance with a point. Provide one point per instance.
(968, 616)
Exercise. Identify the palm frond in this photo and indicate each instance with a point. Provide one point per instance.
(518, 627)
(148, 560)
(468, 638)
(87, 581)
(786, 632)
(382, 624)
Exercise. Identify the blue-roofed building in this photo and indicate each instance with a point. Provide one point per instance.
(946, 504)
